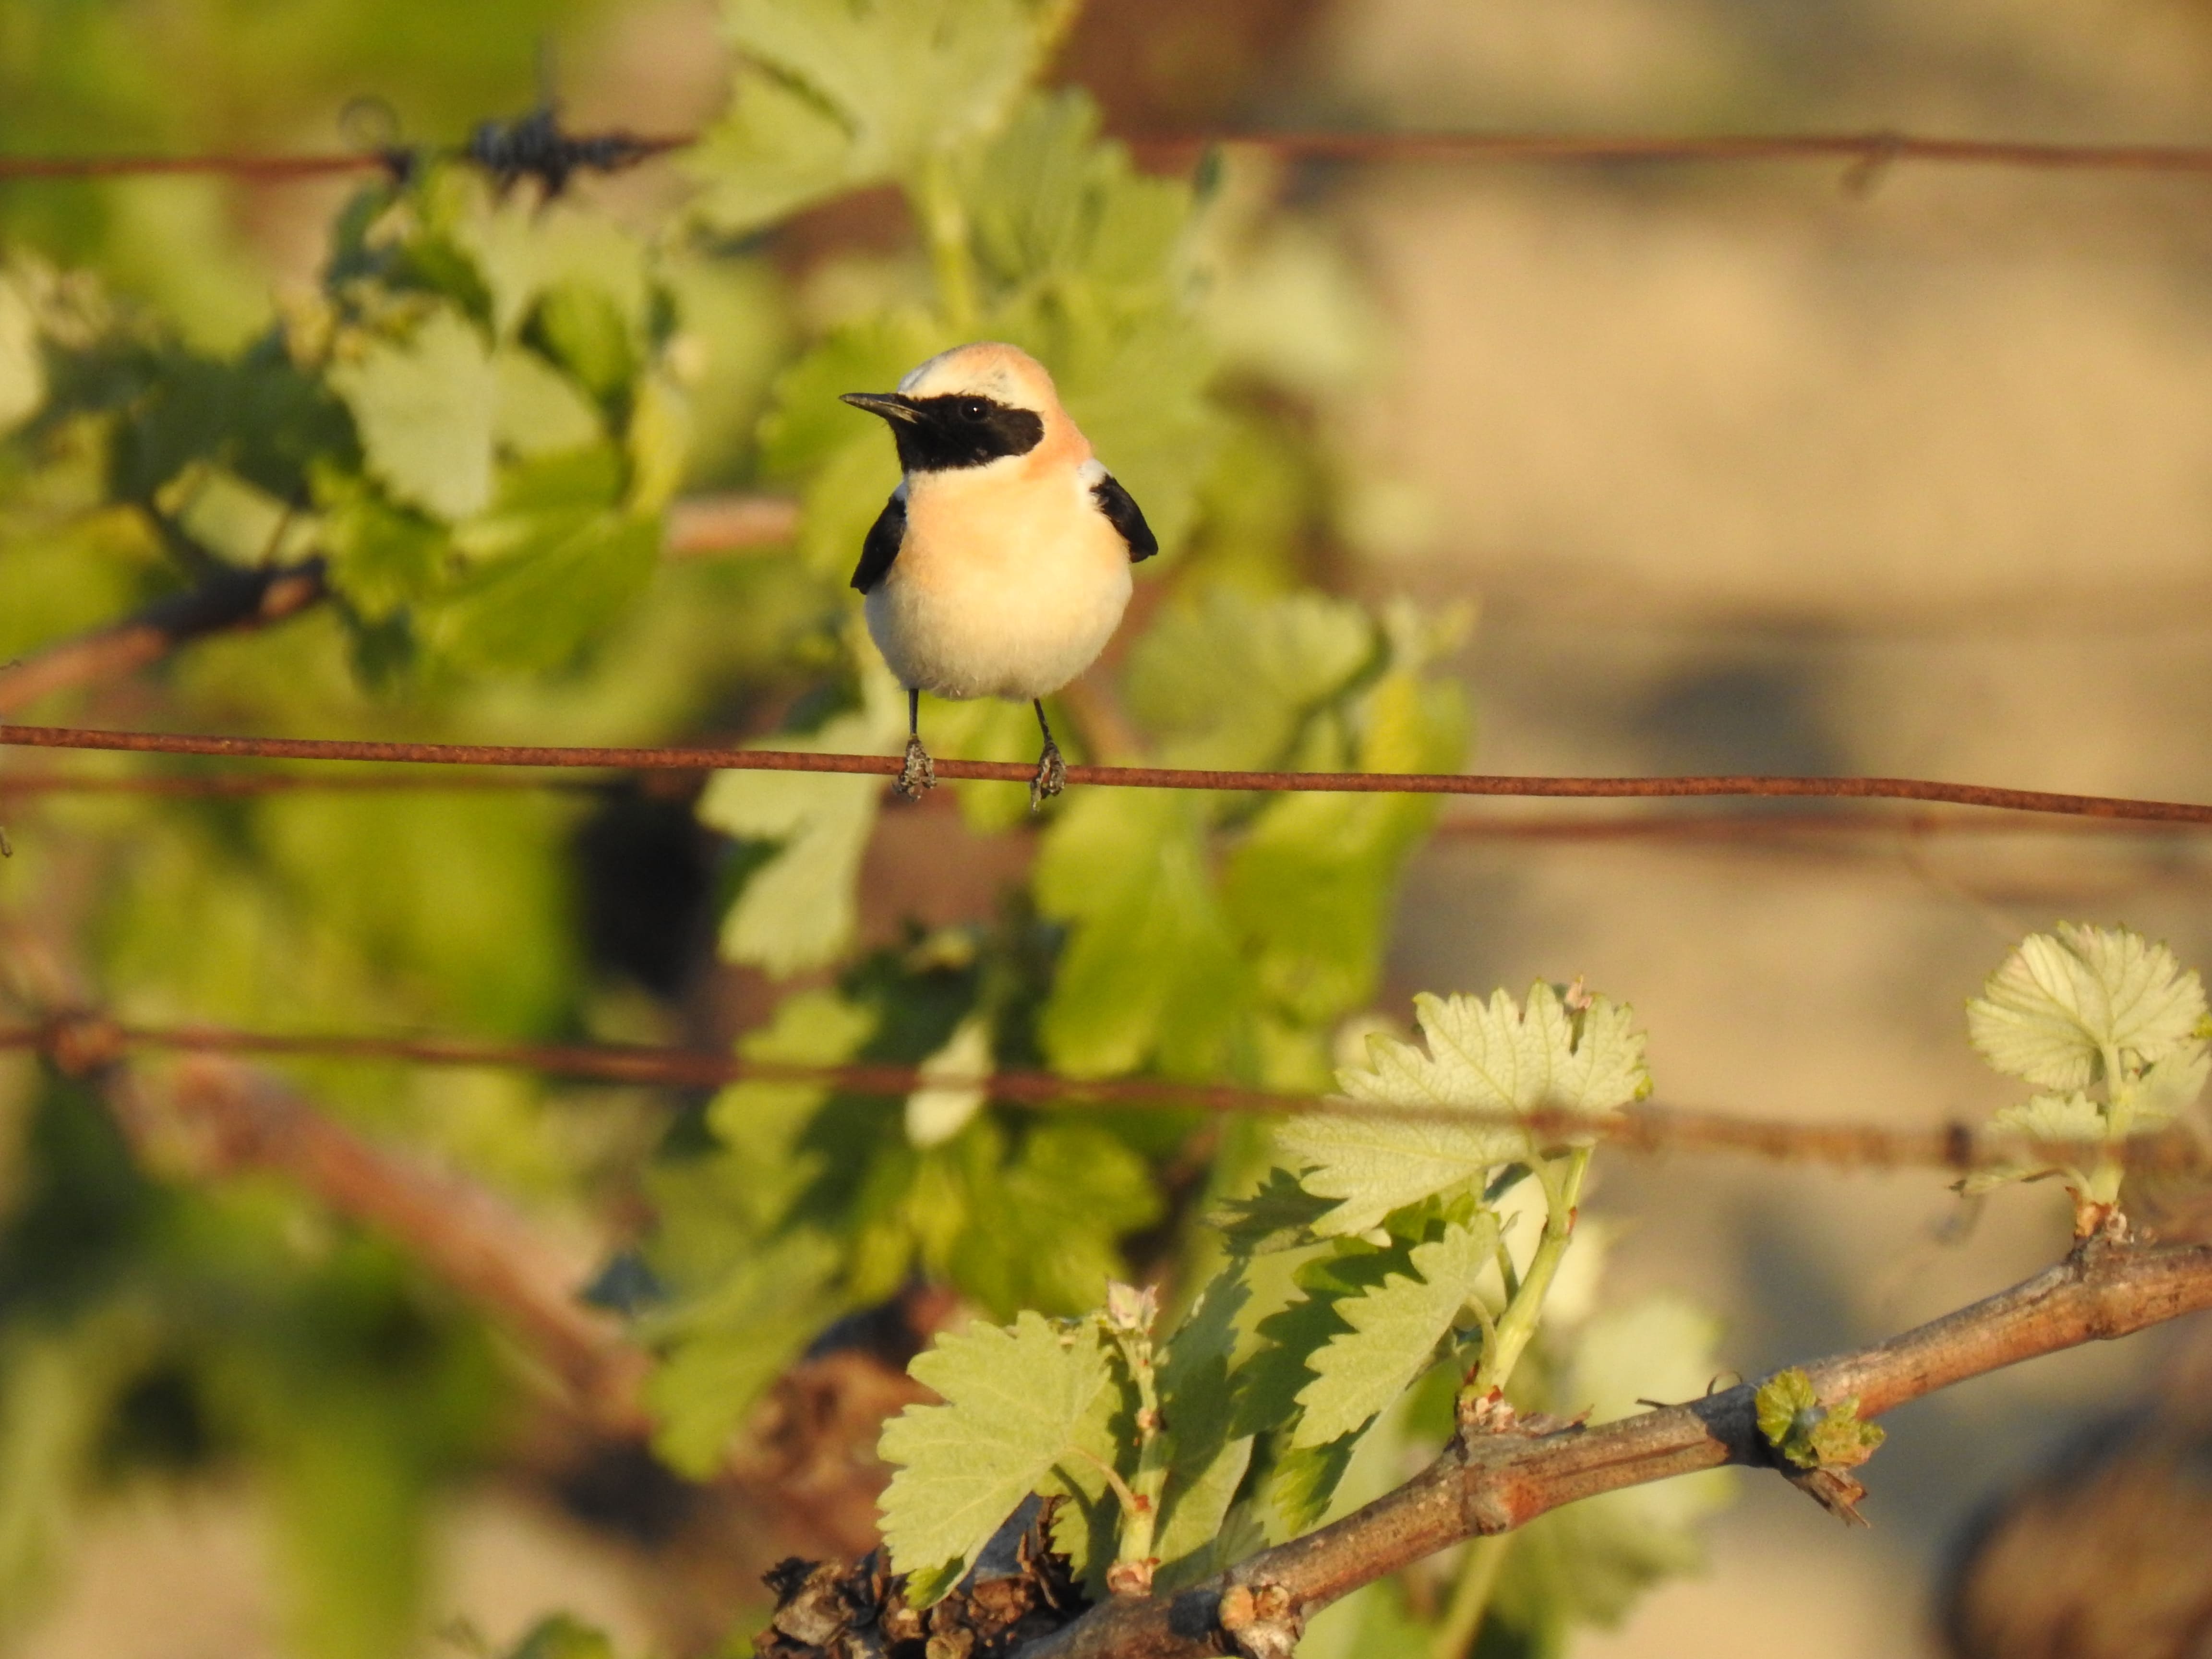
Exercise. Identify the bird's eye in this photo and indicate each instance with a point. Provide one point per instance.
(975, 409)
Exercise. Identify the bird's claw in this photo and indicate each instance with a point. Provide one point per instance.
(1051, 775)
(920, 772)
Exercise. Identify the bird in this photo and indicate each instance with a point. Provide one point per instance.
(1000, 567)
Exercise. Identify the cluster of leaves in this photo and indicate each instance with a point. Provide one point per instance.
(470, 427)
(2111, 1027)
(1383, 1281)
(471, 423)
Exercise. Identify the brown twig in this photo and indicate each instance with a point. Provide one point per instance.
(1656, 1130)
(231, 1119)
(1126, 777)
(243, 598)
(230, 601)
(1487, 1484)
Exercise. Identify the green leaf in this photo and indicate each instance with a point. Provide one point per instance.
(798, 908)
(1014, 1401)
(584, 331)
(834, 94)
(1227, 683)
(1312, 883)
(1269, 1383)
(761, 1121)
(526, 249)
(1305, 1481)
(1050, 205)
(1489, 1058)
(382, 557)
(2061, 1002)
(1394, 1330)
(425, 407)
(1278, 1216)
(721, 1352)
(1151, 971)
(1779, 1401)
(22, 368)
(536, 610)
(541, 411)
(1041, 1227)
(1198, 1407)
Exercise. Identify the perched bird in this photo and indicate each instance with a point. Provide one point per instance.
(1000, 567)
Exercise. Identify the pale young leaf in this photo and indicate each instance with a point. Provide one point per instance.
(425, 407)
(1014, 1401)
(1485, 1058)
(2058, 1118)
(940, 1111)
(1395, 1328)
(2060, 1001)
(798, 908)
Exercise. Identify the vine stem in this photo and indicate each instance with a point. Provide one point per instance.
(937, 203)
(1503, 1344)
(1516, 1326)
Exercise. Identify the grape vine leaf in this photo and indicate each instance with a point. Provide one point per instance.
(1486, 1057)
(1198, 1407)
(22, 369)
(1279, 1215)
(1309, 884)
(2059, 1001)
(425, 406)
(1227, 681)
(1015, 1400)
(1394, 1329)
(834, 94)
(1270, 1381)
(797, 909)
(720, 1352)
(1151, 970)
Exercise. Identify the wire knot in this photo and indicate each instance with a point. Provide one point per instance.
(533, 146)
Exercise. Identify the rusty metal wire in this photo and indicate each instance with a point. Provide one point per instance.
(83, 1043)
(681, 759)
(501, 149)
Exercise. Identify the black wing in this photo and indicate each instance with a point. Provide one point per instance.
(885, 537)
(1124, 515)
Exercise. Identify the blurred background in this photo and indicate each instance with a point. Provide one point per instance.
(1771, 468)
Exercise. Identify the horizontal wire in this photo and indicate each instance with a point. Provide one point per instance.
(82, 1043)
(684, 759)
(1869, 150)
(1730, 824)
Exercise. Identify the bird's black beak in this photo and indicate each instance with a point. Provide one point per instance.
(889, 405)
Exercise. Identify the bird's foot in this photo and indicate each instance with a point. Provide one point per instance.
(920, 772)
(1051, 775)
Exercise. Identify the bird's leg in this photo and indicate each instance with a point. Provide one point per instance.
(919, 773)
(1052, 771)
